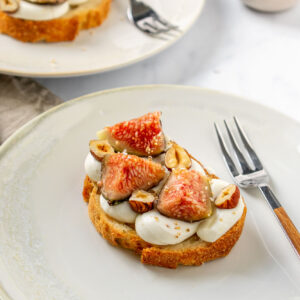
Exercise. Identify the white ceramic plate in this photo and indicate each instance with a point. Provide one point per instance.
(114, 44)
(49, 248)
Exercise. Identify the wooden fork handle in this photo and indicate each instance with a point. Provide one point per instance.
(289, 227)
(287, 224)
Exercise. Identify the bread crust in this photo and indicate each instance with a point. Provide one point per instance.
(192, 251)
(66, 28)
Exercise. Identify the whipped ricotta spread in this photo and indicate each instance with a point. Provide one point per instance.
(195, 166)
(217, 185)
(157, 229)
(92, 167)
(44, 12)
(221, 220)
(40, 12)
(121, 212)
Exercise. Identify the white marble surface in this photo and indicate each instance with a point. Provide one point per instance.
(230, 48)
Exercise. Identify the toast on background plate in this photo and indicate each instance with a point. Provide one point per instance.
(50, 20)
(148, 194)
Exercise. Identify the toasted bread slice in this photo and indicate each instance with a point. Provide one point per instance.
(192, 251)
(85, 16)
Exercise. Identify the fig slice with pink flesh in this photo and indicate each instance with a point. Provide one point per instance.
(186, 196)
(142, 136)
(122, 174)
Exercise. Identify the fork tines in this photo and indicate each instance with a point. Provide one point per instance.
(150, 22)
(155, 26)
(246, 169)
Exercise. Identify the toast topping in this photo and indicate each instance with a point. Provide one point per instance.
(221, 220)
(177, 157)
(121, 212)
(92, 167)
(141, 136)
(122, 174)
(40, 12)
(186, 196)
(9, 6)
(160, 230)
(166, 207)
(46, 1)
(74, 3)
(229, 197)
(141, 201)
(100, 148)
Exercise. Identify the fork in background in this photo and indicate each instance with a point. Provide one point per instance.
(148, 21)
(257, 177)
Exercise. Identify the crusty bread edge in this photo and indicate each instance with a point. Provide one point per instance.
(57, 30)
(192, 252)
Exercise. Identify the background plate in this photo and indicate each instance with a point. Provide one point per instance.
(114, 44)
(49, 248)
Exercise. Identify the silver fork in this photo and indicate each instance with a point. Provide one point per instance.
(256, 177)
(148, 21)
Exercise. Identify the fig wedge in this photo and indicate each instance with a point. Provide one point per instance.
(122, 174)
(142, 136)
(186, 196)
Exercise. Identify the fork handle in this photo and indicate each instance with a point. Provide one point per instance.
(283, 218)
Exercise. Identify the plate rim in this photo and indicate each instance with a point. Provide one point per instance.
(30, 125)
(166, 45)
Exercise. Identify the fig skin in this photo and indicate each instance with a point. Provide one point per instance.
(142, 136)
(122, 174)
(186, 196)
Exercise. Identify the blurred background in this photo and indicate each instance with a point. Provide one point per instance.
(230, 48)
